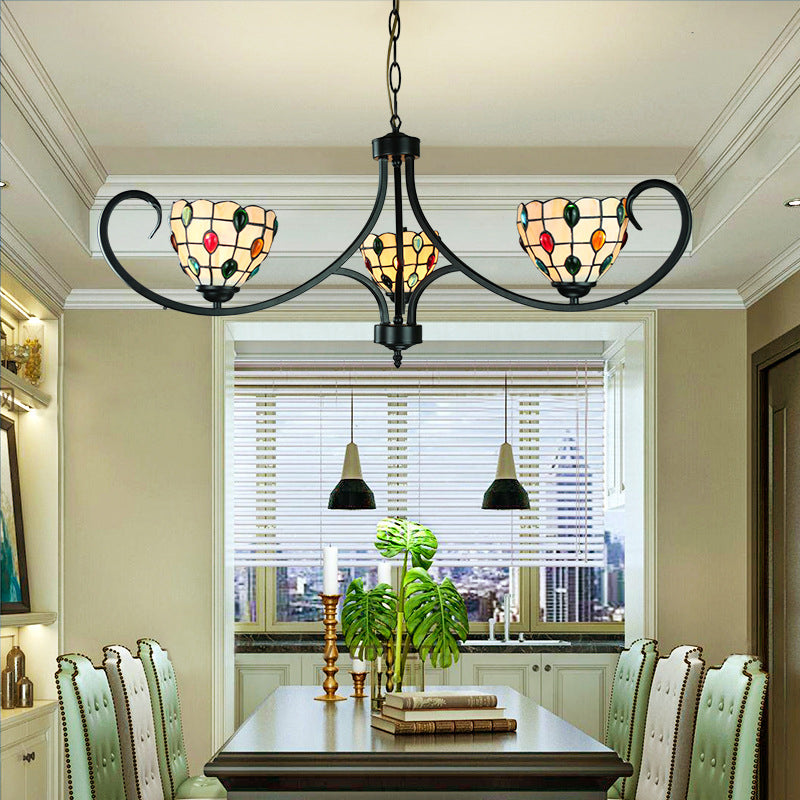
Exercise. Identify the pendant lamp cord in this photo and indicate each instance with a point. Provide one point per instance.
(351, 414)
(505, 415)
(393, 77)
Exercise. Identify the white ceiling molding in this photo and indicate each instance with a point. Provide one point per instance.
(28, 267)
(783, 266)
(457, 298)
(746, 116)
(34, 93)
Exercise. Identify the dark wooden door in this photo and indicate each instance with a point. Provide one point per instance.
(782, 493)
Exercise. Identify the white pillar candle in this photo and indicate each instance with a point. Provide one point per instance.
(359, 665)
(385, 572)
(330, 570)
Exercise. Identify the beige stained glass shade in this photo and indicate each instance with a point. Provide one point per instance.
(573, 241)
(380, 258)
(221, 244)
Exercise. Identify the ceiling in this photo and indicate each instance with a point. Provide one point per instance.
(705, 91)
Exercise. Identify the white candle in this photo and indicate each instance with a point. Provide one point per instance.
(359, 665)
(330, 571)
(385, 572)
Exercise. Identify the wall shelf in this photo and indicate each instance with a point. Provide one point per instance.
(23, 390)
(32, 618)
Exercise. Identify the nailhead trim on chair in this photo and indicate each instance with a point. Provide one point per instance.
(130, 719)
(146, 642)
(698, 651)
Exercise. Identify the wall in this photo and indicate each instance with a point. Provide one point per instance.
(774, 314)
(137, 501)
(701, 473)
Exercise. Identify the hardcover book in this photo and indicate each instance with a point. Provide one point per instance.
(428, 714)
(416, 700)
(400, 728)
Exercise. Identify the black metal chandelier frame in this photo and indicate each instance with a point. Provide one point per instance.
(398, 328)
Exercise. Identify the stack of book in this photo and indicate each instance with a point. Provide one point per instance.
(442, 712)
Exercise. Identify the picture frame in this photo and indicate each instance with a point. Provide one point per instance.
(14, 589)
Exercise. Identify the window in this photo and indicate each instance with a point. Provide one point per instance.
(428, 441)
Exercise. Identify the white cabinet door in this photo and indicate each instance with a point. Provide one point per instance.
(12, 772)
(39, 766)
(577, 687)
(28, 758)
(259, 674)
(520, 671)
(314, 662)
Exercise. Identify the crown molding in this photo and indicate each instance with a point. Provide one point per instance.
(467, 298)
(32, 90)
(26, 265)
(783, 266)
(746, 116)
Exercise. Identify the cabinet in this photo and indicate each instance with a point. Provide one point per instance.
(259, 674)
(29, 756)
(520, 671)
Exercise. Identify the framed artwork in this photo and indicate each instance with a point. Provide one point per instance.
(14, 592)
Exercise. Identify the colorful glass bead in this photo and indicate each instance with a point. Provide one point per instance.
(395, 263)
(621, 213)
(542, 267)
(417, 243)
(210, 241)
(275, 226)
(598, 239)
(253, 273)
(173, 242)
(412, 280)
(606, 263)
(229, 268)
(256, 247)
(193, 265)
(573, 265)
(431, 261)
(186, 215)
(377, 246)
(240, 219)
(523, 217)
(546, 241)
(367, 263)
(624, 240)
(571, 214)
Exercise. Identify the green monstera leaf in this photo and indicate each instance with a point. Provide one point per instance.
(399, 535)
(368, 618)
(436, 617)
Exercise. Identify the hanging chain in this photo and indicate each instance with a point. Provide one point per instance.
(393, 77)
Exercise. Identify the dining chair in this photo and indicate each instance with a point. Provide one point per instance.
(134, 723)
(669, 726)
(174, 767)
(628, 710)
(89, 724)
(724, 762)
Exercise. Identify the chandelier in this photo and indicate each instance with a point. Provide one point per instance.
(572, 243)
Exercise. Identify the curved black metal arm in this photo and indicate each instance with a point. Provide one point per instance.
(228, 311)
(439, 272)
(383, 306)
(623, 297)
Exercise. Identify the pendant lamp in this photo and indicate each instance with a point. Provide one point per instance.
(506, 492)
(352, 492)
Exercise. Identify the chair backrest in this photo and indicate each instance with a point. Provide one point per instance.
(669, 727)
(166, 705)
(628, 710)
(725, 751)
(135, 723)
(91, 743)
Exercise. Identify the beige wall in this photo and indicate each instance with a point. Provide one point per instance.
(701, 495)
(774, 314)
(137, 499)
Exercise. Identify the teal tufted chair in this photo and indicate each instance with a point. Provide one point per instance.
(91, 743)
(725, 753)
(173, 765)
(628, 710)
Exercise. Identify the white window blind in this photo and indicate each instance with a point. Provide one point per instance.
(428, 441)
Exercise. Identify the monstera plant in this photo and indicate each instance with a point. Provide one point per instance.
(429, 616)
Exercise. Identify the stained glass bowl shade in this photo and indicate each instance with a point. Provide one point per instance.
(221, 244)
(380, 258)
(573, 243)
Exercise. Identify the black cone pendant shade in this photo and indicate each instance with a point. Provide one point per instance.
(352, 492)
(506, 492)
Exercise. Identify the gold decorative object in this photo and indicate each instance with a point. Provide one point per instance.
(375, 684)
(359, 679)
(25, 692)
(389, 667)
(331, 653)
(8, 688)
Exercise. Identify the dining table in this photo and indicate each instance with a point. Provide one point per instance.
(293, 746)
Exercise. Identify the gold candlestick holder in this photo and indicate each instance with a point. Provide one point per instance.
(331, 652)
(359, 679)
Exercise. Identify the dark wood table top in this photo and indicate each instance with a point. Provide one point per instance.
(294, 743)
